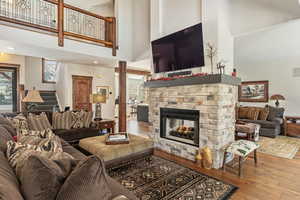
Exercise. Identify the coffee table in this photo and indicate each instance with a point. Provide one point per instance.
(114, 154)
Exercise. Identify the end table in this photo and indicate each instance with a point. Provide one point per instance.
(106, 124)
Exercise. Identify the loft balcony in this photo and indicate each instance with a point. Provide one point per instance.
(60, 19)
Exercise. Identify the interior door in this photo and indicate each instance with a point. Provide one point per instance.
(8, 89)
(82, 89)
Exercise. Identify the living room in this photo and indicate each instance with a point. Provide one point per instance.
(159, 99)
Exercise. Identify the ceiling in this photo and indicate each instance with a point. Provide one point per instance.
(251, 15)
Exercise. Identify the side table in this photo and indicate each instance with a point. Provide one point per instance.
(291, 127)
(105, 124)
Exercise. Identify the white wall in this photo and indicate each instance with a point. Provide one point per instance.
(272, 55)
(102, 76)
(33, 75)
(106, 10)
(168, 16)
(15, 59)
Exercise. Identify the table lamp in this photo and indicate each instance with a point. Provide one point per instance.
(33, 97)
(277, 97)
(98, 99)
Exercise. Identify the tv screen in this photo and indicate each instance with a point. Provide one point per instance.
(180, 50)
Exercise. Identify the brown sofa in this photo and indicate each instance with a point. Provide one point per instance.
(271, 123)
(10, 186)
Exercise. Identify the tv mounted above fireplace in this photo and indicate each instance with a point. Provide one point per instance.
(180, 50)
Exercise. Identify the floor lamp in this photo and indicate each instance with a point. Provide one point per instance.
(32, 98)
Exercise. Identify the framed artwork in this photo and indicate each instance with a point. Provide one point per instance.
(103, 90)
(254, 91)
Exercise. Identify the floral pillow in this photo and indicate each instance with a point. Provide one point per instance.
(47, 133)
(19, 122)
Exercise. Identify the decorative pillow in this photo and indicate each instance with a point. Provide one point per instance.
(85, 180)
(17, 154)
(252, 113)
(78, 119)
(19, 122)
(47, 133)
(5, 136)
(38, 122)
(264, 113)
(41, 178)
(47, 144)
(62, 120)
(243, 112)
(88, 118)
(4, 122)
(275, 113)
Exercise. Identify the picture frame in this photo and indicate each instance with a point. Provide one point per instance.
(103, 90)
(254, 91)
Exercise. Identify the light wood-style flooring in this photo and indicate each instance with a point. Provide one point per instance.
(273, 179)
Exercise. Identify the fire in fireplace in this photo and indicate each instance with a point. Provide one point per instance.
(180, 125)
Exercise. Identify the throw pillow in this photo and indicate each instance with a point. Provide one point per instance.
(39, 122)
(88, 118)
(78, 119)
(18, 122)
(42, 134)
(252, 113)
(85, 180)
(62, 120)
(5, 136)
(9, 189)
(275, 113)
(41, 178)
(7, 125)
(17, 154)
(46, 144)
(264, 113)
(243, 112)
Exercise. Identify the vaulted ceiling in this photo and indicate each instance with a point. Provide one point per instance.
(251, 15)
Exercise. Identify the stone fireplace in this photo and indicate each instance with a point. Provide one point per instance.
(191, 113)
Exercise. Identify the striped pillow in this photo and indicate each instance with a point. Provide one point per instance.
(38, 122)
(87, 119)
(62, 120)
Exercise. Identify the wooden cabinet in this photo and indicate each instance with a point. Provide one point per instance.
(291, 127)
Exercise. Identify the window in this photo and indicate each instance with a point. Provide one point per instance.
(49, 71)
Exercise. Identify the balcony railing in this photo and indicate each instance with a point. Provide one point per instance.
(62, 19)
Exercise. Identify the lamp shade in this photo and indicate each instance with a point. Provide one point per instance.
(98, 98)
(277, 97)
(33, 96)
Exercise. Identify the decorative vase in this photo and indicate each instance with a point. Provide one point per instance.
(207, 158)
(199, 159)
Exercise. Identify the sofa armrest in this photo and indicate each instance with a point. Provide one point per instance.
(120, 197)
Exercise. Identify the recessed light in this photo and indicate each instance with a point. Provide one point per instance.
(96, 62)
(10, 48)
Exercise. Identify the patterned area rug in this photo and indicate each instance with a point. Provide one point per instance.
(154, 178)
(281, 146)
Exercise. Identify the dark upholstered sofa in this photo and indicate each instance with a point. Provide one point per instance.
(10, 185)
(68, 135)
(272, 126)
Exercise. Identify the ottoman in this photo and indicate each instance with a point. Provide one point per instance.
(115, 154)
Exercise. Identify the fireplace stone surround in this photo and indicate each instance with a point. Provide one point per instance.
(215, 96)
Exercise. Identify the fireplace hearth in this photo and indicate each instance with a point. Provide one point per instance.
(180, 125)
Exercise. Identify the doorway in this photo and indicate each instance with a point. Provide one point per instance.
(82, 90)
(8, 88)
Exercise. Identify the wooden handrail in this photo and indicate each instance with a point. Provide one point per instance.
(105, 36)
(86, 12)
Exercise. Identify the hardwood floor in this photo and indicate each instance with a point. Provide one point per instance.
(273, 179)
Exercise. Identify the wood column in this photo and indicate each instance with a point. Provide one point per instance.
(122, 97)
(60, 24)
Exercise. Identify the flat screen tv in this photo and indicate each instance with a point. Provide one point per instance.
(178, 51)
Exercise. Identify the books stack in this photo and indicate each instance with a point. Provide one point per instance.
(119, 138)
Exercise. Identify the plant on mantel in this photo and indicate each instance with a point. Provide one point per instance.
(211, 52)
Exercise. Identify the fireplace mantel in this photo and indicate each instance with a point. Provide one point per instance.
(195, 80)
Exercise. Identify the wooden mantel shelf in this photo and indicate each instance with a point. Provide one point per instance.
(195, 80)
